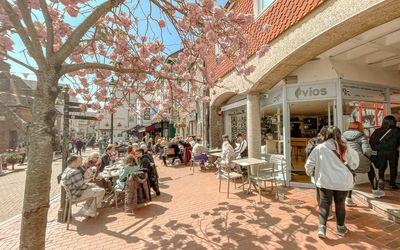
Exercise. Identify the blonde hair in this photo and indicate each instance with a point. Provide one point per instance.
(94, 154)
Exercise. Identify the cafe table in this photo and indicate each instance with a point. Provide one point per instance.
(247, 163)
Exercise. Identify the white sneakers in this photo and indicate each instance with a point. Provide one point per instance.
(350, 203)
(378, 193)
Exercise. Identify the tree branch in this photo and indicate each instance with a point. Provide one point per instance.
(14, 19)
(76, 36)
(49, 29)
(11, 115)
(79, 66)
(26, 16)
(18, 61)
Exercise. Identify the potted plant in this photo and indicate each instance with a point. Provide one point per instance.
(13, 158)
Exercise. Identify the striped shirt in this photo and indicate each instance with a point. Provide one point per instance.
(73, 179)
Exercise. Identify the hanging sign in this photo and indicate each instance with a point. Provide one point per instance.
(314, 91)
(363, 93)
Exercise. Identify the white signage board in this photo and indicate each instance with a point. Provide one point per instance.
(315, 91)
(363, 93)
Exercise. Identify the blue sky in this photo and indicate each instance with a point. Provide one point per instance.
(171, 41)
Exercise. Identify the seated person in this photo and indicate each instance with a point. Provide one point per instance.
(241, 150)
(130, 167)
(72, 178)
(107, 158)
(90, 167)
(147, 166)
(199, 153)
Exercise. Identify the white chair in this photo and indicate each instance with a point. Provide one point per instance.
(262, 173)
(69, 202)
(225, 171)
(117, 191)
(279, 164)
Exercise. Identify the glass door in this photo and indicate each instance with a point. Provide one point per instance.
(306, 120)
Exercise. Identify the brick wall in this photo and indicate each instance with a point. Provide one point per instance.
(281, 15)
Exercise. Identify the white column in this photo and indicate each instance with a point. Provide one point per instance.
(254, 125)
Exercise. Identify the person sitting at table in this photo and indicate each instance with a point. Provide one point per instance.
(146, 165)
(72, 178)
(241, 150)
(107, 158)
(199, 153)
(130, 167)
(147, 153)
(92, 162)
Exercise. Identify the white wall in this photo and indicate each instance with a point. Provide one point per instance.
(317, 70)
(362, 73)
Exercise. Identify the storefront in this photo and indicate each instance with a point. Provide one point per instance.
(234, 112)
(292, 114)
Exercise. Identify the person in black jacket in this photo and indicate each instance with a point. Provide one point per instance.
(385, 141)
(148, 166)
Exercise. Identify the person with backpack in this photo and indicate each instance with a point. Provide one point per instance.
(357, 140)
(331, 164)
(385, 142)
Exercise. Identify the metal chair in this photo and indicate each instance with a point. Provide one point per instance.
(262, 173)
(169, 153)
(228, 174)
(279, 164)
(69, 202)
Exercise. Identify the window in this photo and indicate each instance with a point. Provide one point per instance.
(260, 6)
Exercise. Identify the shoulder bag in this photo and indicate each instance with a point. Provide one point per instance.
(374, 153)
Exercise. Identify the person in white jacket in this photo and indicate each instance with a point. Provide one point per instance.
(330, 163)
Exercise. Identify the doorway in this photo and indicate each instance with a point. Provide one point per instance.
(306, 119)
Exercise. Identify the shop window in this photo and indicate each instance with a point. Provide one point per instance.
(272, 130)
(260, 6)
(370, 114)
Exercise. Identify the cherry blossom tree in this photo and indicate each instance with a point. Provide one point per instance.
(115, 41)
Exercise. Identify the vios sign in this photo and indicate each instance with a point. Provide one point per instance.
(309, 92)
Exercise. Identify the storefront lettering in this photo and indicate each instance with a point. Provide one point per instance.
(310, 92)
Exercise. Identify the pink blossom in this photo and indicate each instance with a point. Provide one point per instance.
(100, 116)
(83, 107)
(161, 23)
(266, 28)
(71, 92)
(211, 36)
(72, 10)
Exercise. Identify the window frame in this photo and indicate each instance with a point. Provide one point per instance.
(257, 8)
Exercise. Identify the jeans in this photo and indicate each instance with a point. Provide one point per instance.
(202, 158)
(326, 202)
(381, 164)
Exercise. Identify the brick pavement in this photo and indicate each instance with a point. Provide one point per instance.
(12, 187)
(191, 214)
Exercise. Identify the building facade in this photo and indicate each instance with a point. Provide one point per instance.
(329, 63)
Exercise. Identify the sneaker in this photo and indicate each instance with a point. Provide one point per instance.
(378, 193)
(341, 231)
(331, 217)
(381, 185)
(394, 187)
(321, 231)
(350, 203)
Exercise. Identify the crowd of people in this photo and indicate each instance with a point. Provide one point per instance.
(82, 177)
(335, 159)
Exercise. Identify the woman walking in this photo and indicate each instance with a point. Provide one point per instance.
(385, 141)
(358, 141)
(330, 163)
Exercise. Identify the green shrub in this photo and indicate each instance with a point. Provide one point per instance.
(13, 158)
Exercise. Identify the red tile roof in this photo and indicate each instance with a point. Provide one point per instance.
(281, 15)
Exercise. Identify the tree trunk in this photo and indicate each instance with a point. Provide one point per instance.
(42, 140)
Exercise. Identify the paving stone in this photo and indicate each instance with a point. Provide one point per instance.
(192, 214)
